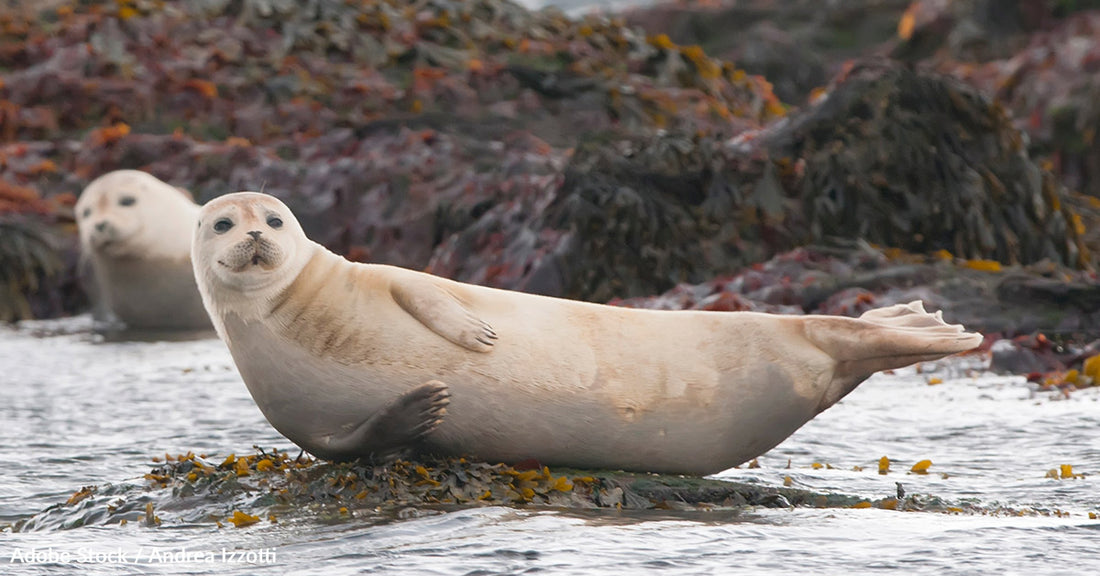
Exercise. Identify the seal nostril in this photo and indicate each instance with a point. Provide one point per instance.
(255, 234)
(100, 226)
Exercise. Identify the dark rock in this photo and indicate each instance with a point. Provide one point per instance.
(796, 45)
(891, 156)
(1006, 357)
(1049, 85)
(850, 281)
(924, 163)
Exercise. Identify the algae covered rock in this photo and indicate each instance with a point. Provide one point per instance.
(921, 162)
(28, 260)
(797, 45)
(893, 156)
(1050, 85)
(387, 126)
(38, 260)
(528, 150)
(273, 487)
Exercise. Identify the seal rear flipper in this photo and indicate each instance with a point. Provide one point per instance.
(443, 313)
(887, 338)
(394, 428)
(883, 339)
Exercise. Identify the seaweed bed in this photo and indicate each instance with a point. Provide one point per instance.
(272, 486)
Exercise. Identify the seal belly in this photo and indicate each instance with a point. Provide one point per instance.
(301, 398)
(692, 403)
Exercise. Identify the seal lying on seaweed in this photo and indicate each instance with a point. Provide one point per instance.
(356, 360)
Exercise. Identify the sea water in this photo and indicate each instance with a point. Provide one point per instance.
(79, 409)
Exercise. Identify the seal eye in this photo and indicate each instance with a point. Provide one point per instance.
(274, 221)
(87, 212)
(127, 201)
(223, 225)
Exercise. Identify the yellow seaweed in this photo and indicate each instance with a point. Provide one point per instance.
(1091, 368)
(983, 265)
(562, 484)
(241, 519)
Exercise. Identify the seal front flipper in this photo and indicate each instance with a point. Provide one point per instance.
(444, 314)
(394, 428)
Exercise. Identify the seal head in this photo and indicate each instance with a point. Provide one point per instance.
(132, 214)
(250, 247)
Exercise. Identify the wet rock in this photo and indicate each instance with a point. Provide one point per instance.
(267, 486)
(610, 498)
(849, 280)
(38, 254)
(29, 263)
(796, 45)
(1058, 360)
(1049, 84)
(1007, 357)
(387, 128)
(642, 216)
(1033, 57)
(893, 156)
(974, 30)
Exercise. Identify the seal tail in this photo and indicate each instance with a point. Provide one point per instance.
(884, 339)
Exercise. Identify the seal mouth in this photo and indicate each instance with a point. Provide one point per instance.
(250, 254)
(256, 260)
(103, 238)
(112, 246)
(102, 242)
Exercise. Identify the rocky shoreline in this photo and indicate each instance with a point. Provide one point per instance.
(605, 157)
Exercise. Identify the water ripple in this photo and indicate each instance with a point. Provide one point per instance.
(83, 410)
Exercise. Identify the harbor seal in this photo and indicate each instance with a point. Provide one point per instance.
(353, 360)
(135, 235)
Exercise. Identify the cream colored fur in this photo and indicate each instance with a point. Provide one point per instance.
(323, 343)
(135, 232)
